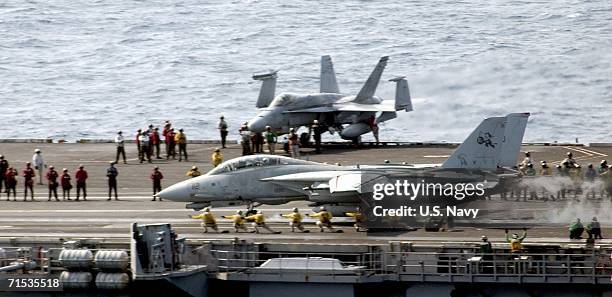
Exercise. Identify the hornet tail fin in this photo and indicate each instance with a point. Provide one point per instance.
(369, 88)
(402, 94)
(268, 88)
(494, 143)
(329, 84)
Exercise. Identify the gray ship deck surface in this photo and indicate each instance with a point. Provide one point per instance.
(111, 219)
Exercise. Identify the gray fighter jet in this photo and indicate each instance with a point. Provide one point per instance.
(270, 179)
(347, 114)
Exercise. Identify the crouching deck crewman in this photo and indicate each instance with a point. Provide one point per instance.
(259, 221)
(238, 220)
(208, 220)
(325, 218)
(295, 220)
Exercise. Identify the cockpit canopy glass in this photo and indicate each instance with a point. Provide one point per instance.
(254, 161)
(283, 99)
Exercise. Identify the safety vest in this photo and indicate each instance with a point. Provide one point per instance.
(206, 217)
(257, 218)
(324, 216)
(295, 217)
(237, 219)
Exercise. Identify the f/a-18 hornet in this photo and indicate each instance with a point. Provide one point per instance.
(351, 115)
(270, 179)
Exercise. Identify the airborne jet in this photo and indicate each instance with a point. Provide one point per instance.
(270, 179)
(348, 114)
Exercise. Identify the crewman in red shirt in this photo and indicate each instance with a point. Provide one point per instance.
(81, 177)
(165, 135)
(155, 142)
(66, 185)
(171, 144)
(10, 179)
(156, 177)
(28, 176)
(138, 132)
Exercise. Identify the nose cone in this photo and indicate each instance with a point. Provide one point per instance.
(257, 124)
(177, 192)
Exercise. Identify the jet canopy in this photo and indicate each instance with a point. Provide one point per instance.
(283, 99)
(292, 101)
(247, 162)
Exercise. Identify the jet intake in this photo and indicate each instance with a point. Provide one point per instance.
(353, 131)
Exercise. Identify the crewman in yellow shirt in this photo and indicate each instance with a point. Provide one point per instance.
(208, 220)
(295, 218)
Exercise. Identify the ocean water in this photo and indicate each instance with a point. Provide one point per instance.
(84, 69)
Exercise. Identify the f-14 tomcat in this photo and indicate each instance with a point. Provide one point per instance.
(348, 114)
(270, 179)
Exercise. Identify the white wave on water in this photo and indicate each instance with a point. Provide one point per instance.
(72, 69)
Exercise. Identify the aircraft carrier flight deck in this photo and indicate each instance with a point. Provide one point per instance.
(58, 234)
(100, 218)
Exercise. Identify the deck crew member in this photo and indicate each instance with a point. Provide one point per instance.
(358, 220)
(156, 177)
(238, 221)
(39, 164)
(530, 171)
(181, 139)
(111, 174)
(4, 165)
(257, 141)
(208, 220)
(120, 143)
(545, 170)
(28, 178)
(589, 176)
(485, 246)
(271, 139)
(170, 144)
(245, 139)
(222, 126)
(138, 147)
(526, 161)
(603, 167)
(52, 177)
(259, 221)
(145, 143)
(66, 184)
(10, 179)
(295, 220)
(516, 242)
(571, 162)
(317, 130)
(594, 229)
(374, 127)
(193, 172)
(165, 135)
(294, 143)
(155, 142)
(81, 182)
(576, 229)
(562, 172)
(217, 157)
(324, 217)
